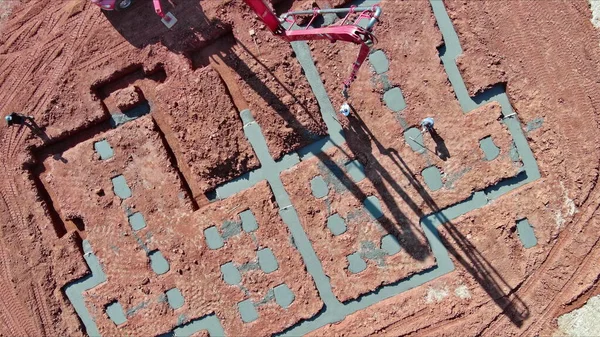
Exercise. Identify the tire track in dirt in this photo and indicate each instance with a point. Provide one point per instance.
(554, 257)
(42, 307)
(114, 50)
(17, 319)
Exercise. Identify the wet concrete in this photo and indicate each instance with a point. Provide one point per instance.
(414, 138)
(103, 149)
(373, 207)
(175, 298)
(267, 260)
(534, 124)
(355, 170)
(526, 233)
(120, 187)
(210, 323)
(115, 312)
(432, 177)
(390, 244)
(394, 99)
(379, 62)
(213, 238)
(247, 311)
(355, 263)
(158, 262)
(490, 150)
(283, 295)
(230, 273)
(136, 221)
(117, 119)
(249, 223)
(319, 187)
(368, 250)
(230, 229)
(336, 224)
(75, 289)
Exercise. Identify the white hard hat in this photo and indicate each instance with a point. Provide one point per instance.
(8, 118)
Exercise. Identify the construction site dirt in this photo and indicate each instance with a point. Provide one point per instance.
(200, 179)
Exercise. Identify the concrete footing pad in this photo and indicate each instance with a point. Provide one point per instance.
(120, 187)
(158, 262)
(356, 264)
(283, 295)
(231, 274)
(115, 312)
(267, 260)
(175, 298)
(247, 311)
(526, 233)
(336, 224)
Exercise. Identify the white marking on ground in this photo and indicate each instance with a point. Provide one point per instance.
(436, 295)
(462, 292)
(595, 8)
(568, 208)
(581, 322)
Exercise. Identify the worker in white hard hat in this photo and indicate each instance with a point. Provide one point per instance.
(427, 124)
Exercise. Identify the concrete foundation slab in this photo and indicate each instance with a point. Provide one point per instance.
(136, 221)
(115, 312)
(390, 244)
(120, 187)
(379, 62)
(267, 260)
(373, 207)
(231, 274)
(158, 262)
(283, 295)
(394, 99)
(526, 233)
(355, 263)
(319, 187)
(432, 177)
(247, 311)
(103, 149)
(249, 223)
(355, 170)
(213, 238)
(490, 150)
(175, 298)
(336, 224)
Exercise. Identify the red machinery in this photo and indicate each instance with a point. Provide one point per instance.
(341, 31)
(347, 30)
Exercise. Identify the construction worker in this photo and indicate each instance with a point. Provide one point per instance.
(17, 119)
(345, 109)
(427, 125)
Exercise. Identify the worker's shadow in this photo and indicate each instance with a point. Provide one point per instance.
(440, 145)
(141, 26)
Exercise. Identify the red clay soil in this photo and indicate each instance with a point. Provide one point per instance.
(345, 198)
(531, 49)
(63, 63)
(197, 112)
(175, 231)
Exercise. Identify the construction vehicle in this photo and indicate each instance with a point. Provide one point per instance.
(108, 5)
(356, 27)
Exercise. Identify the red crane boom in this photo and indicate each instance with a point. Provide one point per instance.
(342, 31)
